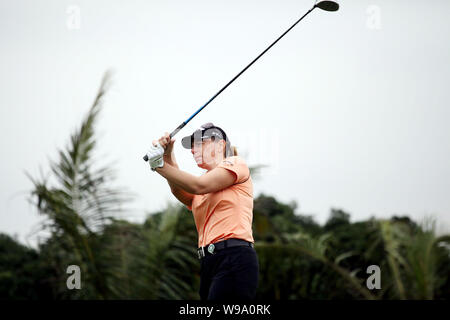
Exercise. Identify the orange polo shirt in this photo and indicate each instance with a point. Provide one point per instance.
(227, 213)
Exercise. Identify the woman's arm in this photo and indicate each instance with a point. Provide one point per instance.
(169, 157)
(212, 181)
(183, 196)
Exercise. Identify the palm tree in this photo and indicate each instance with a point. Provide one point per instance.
(163, 260)
(118, 259)
(413, 257)
(317, 248)
(80, 205)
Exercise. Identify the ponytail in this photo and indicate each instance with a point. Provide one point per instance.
(230, 150)
(234, 150)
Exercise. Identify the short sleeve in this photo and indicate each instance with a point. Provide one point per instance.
(236, 165)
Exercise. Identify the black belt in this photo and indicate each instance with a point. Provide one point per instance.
(214, 247)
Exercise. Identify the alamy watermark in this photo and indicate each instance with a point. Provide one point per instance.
(374, 281)
(74, 280)
(73, 21)
(373, 21)
(260, 147)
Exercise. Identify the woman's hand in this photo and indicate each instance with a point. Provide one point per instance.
(167, 145)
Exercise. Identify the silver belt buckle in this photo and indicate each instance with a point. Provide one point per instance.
(211, 248)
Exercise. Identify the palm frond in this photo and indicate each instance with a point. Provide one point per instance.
(82, 202)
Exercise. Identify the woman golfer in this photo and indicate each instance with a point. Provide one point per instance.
(222, 204)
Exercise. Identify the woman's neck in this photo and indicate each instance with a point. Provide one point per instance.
(215, 163)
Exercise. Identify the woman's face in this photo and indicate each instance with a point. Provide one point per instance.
(207, 152)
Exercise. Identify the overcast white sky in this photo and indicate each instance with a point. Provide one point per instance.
(350, 109)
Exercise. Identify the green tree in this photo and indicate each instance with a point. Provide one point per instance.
(23, 275)
(117, 259)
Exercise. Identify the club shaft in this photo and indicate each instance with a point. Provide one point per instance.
(237, 76)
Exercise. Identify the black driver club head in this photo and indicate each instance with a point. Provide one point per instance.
(328, 5)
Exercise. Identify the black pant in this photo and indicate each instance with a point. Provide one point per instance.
(230, 274)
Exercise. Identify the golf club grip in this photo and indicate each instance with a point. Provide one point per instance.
(174, 132)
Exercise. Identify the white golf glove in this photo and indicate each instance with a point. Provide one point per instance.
(155, 157)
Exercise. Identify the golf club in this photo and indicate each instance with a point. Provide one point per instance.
(324, 5)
